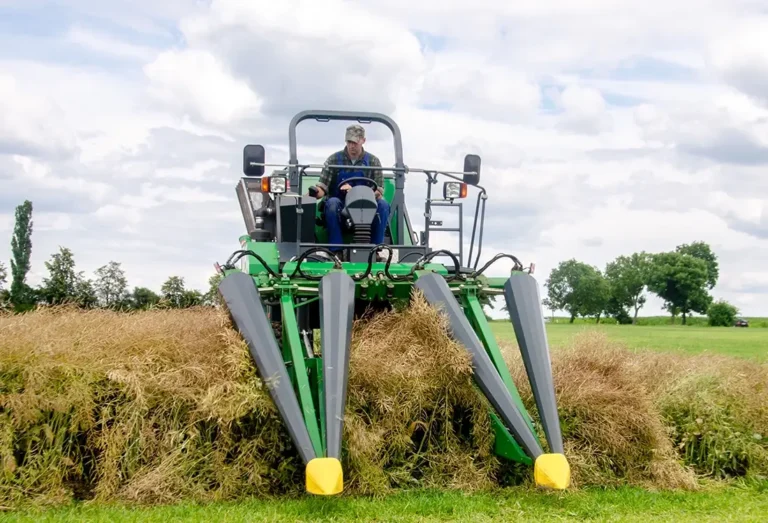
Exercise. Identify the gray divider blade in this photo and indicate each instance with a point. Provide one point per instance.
(337, 310)
(247, 311)
(521, 293)
(438, 294)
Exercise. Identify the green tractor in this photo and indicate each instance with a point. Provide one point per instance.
(286, 283)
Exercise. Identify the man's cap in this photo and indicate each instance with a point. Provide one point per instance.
(355, 133)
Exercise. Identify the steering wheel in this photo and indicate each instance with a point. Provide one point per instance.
(374, 185)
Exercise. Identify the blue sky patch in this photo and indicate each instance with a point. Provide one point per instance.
(35, 22)
(431, 42)
(56, 21)
(620, 100)
(644, 68)
(438, 106)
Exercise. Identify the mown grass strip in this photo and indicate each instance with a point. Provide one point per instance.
(512, 504)
(729, 341)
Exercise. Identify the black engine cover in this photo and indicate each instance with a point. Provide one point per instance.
(288, 219)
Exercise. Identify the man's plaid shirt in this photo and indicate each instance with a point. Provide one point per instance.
(328, 174)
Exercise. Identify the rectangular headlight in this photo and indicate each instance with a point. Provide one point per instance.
(453, 190)
(278, 184)
(275, 184)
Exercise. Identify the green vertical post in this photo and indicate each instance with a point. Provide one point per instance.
(474, 312)
(315, 366)
(292, 339)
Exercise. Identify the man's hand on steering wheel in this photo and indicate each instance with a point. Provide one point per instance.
(368, 181)
(376, 191)
(315, 192)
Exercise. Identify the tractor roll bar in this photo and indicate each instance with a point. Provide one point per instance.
(398, 203)
(361, 117)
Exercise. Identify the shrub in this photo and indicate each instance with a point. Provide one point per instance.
(722, 314)
(622, 317)
(717, 408)
(613, 431)
(166, 405)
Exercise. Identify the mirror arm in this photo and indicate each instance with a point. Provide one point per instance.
(481, 195)
(480, 239)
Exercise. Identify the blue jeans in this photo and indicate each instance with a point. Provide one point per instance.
(332, 213)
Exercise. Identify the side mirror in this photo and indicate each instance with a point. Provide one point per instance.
(253, 160)
(472, 169)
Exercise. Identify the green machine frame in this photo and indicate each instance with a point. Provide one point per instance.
(285, 283)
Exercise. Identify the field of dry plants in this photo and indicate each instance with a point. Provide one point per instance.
(165, 406)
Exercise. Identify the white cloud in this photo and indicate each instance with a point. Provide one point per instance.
(79, 110)
(752, 210)
(476, 85)
(197, 172)
(299, 53)
(192, 195)
(585, 110)
(55, 221)
(6, 222)
(196, 81)
(119, 213)
(604, 128)
(99, 42)
(740, 55)
(31, 124)
(44, 175)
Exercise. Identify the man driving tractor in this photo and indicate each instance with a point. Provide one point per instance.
(333, 182)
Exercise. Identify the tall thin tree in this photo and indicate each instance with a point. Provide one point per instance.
(3, 292)
(21, 249)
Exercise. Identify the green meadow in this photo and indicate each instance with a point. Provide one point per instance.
(750, 342)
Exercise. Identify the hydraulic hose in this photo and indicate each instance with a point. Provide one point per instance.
(409, 254)
(420, 264)
(369, 268)
(389, 262)
(235, 257)
(517, 267)
(305, 254)
(481, 196)
(428, 257)
(386, 269)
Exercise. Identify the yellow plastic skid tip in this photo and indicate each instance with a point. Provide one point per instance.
(552, 471)
(324, 476)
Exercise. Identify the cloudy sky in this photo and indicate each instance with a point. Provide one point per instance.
(604, 129)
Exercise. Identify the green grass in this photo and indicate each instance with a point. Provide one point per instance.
(691, 321)
(512, 504)
(731, 341)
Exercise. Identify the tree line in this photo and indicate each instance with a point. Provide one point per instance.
(682, 278)
(65, 285)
